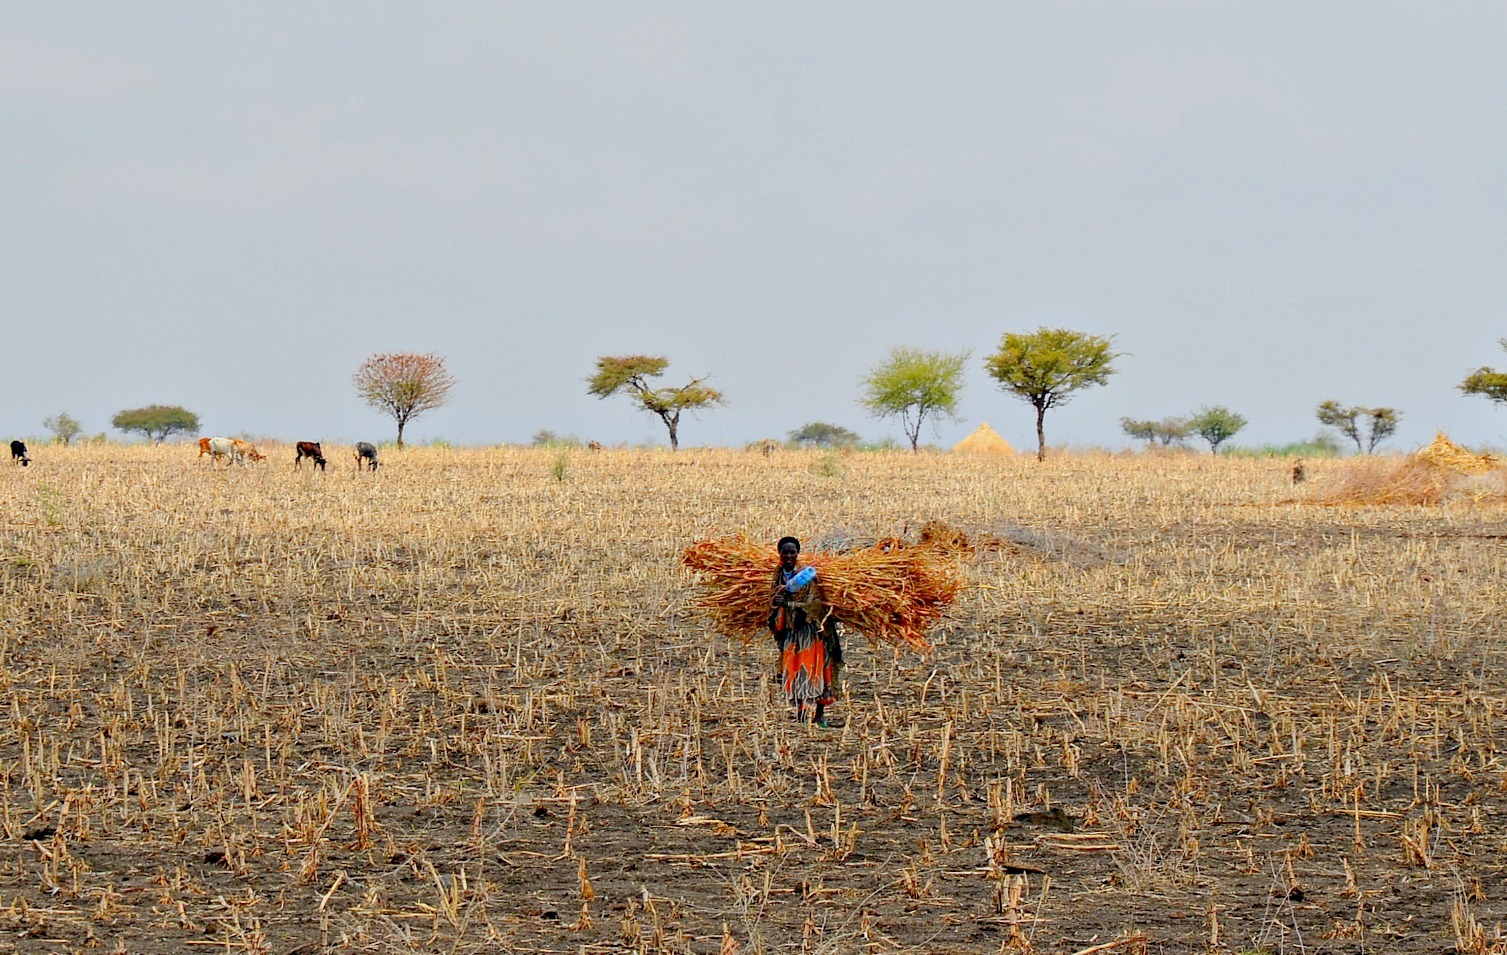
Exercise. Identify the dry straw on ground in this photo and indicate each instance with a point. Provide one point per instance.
(1438, 472)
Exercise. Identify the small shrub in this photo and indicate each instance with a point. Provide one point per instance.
(828, 465)
(545, 438)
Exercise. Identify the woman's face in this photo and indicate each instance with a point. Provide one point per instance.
(788, 554)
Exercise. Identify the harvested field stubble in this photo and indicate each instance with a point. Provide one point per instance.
(465, 704)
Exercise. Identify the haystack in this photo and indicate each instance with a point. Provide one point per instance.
(1446, 454)
(984, 440)
(1441, 471)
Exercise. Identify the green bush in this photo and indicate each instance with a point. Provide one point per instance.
(1319, 446)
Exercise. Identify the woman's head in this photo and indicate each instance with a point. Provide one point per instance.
(790, 549)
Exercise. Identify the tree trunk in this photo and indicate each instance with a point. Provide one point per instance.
(401, 423)
(673, 424)
(1041, 434)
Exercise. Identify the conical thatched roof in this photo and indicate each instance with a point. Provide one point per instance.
(985, 440)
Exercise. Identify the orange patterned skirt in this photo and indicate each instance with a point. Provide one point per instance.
(809, 671)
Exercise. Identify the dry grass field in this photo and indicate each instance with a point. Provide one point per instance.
(463, 705)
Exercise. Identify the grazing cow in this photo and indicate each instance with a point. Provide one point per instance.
(310, 450)
(18, 453)
(218, 449)
(366, 455)
(241, 450)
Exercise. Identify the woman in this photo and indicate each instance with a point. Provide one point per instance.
(806, 633)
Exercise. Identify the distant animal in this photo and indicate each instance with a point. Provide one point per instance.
(242, 450)
(310, 450)
(18, 453)
(594, 446)
(366, 455)
(218, 449)
(1299, 473)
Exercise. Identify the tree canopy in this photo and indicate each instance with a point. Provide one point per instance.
(63, 426)
(1047, 367)
(820, 434)
(1379, 423)
(914, 385)
(403, 385)
(1164, 432)
(632, 375)
(157, 422)
(1216, 425)
(1487, 382)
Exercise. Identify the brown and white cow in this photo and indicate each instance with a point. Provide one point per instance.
(218, 449)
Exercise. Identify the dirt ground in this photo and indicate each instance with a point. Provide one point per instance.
(466, 705)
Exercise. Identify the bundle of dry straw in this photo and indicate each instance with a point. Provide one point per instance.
(1441, 471)
(892, 592)
(1446, 454)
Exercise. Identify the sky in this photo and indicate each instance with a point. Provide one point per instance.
(1267, 205)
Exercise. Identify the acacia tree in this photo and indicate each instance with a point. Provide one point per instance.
(821, 434)
(913, 385)
(156, 422)
(1164, 431)
(404, 385)
(1216, 425)
(1047, 367)
(1381, 423)
(632, 375)
(1487, 382)
(63, 426)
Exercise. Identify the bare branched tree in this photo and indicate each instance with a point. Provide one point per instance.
(403, 385)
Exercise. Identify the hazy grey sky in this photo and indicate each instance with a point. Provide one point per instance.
(228, 206)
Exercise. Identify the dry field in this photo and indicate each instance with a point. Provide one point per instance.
(462, 705)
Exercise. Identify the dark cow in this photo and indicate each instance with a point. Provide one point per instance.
(310, 450)
(366, 455)
(18, 453)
